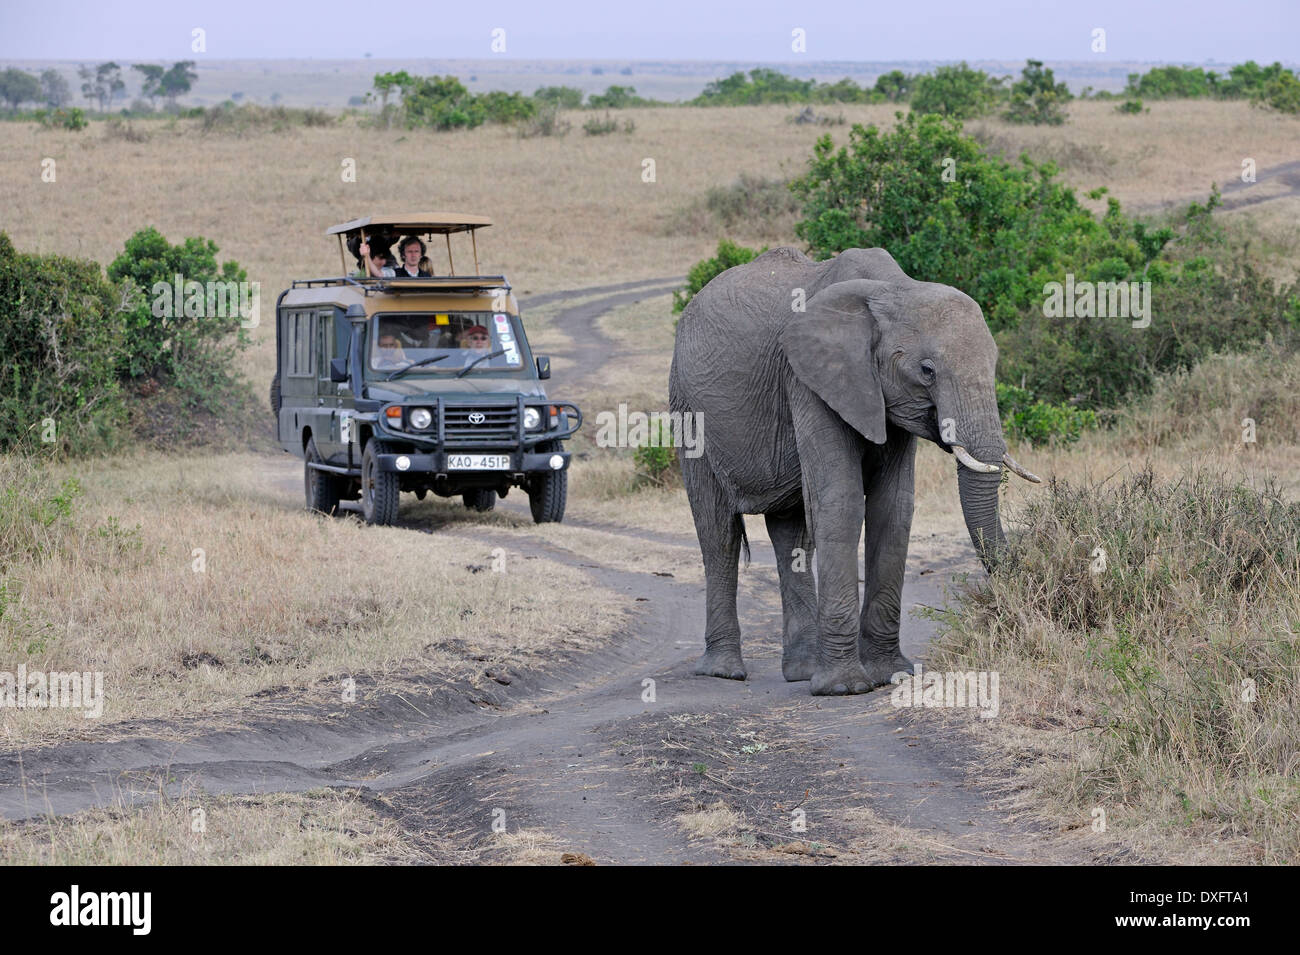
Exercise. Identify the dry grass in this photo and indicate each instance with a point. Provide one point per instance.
(283, 597)
(322, 827)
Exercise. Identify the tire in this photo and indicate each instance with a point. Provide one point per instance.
(480, 499)
(275, 396)
(380, 490)
(322, 488)
(548, 492)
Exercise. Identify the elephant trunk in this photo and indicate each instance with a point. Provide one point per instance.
(979, 506)
(980, 451)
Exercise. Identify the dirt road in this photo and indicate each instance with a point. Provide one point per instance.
(592, 754)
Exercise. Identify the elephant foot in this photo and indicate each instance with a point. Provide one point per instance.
(881, 668)
(841, 679)
(799, 662)
(723, 662)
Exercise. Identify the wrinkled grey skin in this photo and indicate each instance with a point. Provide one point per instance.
(811, 419)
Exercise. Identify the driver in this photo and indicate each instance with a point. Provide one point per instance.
(390, 353)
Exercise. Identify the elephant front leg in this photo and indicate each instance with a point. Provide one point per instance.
(789, 533)
(719, 528)
(889, 506)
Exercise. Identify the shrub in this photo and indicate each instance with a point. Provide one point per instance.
(441, 102)
(499, 107)
(564, 97)
(194, 353)
(703, 272)
(749, 200)
(1024, 418)
(1130, 106)
(1162, 614)
(599, 127)
(617, 97)
(956, 91)
(545, 122)
(1037, 98)
(1282, 92)
(655, 463)
(61, 336)
(73, 118)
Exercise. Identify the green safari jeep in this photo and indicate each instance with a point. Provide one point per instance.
(395, 379)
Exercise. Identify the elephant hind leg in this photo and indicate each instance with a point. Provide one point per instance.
(789, 533)
(720, 530)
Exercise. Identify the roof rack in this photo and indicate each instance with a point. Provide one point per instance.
(430, 284)
(417, 224)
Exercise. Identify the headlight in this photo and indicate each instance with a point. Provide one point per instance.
(532, 419)
(421, 419)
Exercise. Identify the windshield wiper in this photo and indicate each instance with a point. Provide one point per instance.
(415, 364)
(495, 354)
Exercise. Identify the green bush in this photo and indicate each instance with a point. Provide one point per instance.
(703, 272)
(1282, 92)
(656, 461)
(196, 353)
(499, 107)
(73, 118)
(617, 97)
(61, 336)
(1173, 82)
(1037, 98)
(564, 97)
(1025, 418)
(1129, 106)
(956, 91)
(441, 102)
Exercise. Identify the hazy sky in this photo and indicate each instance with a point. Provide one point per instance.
(1170, 30)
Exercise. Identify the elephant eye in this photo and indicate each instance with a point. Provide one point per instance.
(927, 369)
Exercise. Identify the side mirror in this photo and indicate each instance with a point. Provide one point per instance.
(543, 367)
(338, 369)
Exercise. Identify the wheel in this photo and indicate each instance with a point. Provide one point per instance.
(380, 490)
(547, 492)
(480, 499)
(275, 396)
(323, 488)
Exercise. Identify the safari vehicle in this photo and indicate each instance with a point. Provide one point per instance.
(385, 385)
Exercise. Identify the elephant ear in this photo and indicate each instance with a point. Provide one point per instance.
(829, 347)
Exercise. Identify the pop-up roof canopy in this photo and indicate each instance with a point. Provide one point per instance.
(411, 223)
(424, 223)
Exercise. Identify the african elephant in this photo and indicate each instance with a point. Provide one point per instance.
(814, 380)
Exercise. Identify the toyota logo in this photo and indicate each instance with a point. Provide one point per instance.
(477, 417)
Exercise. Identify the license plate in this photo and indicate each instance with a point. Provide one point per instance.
(478, 462)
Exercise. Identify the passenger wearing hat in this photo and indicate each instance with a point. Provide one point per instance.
(412, 250)
(475, 337)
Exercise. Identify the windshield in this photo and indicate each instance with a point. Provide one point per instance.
(456, 339)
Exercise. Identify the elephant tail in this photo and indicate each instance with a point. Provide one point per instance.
(744, 538)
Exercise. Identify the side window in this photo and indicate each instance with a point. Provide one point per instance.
(324, 347)
(300, 353)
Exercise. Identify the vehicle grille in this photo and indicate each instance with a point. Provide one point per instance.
(500, 425)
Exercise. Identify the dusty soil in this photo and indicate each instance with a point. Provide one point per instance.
(700, 770)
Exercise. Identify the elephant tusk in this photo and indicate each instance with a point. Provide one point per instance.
(964, 457)
(1011, 463)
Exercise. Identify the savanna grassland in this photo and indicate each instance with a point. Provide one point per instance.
(117, 589)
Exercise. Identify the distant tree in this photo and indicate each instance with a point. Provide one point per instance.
(151, 76)
(54, 89)
(178, 80)
(894, 86)
(103, 85)
(956, 91)
(1037, 98)
(616, 97)
(19, 86)
(565, 97)
(385, 84)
